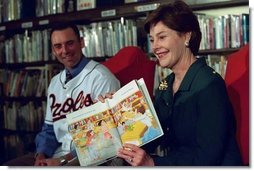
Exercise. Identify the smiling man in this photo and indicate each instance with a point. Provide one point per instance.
(77, 86)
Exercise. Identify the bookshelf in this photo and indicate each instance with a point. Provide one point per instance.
(107, 13)
(133, 11)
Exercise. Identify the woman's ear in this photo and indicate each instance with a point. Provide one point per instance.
(187, 36)
(187, 39)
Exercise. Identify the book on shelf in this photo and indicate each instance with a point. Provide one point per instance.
(98, 131)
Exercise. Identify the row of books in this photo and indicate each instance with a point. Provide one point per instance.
(227, 31)
(22, 9)
(28, 47)
(24, 117)
(11, 10)
(21, 82)
(101, 39)
(16, 9)
(107, 38)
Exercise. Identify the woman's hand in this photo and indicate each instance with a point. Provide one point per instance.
(135, 155)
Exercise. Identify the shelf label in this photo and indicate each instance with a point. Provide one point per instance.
(149, 7)
(27, 24)
(2, 28)
(108, 13)
(43, 22)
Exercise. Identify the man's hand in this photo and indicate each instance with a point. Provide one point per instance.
(41, 160)
(39, 157)
(50, 162)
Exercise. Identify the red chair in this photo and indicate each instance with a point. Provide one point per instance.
(237, 81)
(132, 63)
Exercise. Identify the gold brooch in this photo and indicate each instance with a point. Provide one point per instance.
(163, 85)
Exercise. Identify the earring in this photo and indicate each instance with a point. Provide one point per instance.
(187, 44)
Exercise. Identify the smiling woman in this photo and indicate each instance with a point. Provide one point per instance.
(193, 107)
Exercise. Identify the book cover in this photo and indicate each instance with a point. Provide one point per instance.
(99, 130)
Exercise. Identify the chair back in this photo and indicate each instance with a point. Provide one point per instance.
(237, 81)
(132, 63)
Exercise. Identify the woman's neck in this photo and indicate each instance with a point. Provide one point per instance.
(181, 70)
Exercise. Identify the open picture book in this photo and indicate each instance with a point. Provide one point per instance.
(98, 131)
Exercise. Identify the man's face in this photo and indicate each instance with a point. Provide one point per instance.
(67, 47)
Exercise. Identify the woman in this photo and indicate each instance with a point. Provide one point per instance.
(192, 103)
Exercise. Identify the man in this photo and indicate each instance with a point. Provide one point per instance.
(75, 87)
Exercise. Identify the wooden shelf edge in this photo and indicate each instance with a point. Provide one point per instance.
(225, 51)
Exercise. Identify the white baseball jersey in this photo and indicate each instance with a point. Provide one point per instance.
(94, 80)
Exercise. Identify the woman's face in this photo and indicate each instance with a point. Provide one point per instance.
(67, 47)
(167, 45)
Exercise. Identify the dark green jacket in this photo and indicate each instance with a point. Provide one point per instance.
(198, 122)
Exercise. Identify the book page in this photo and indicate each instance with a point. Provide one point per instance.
(98, 131)
(94, 134)
(153, 134)
(137, 122)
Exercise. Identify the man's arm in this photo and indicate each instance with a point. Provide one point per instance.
(46, 142)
